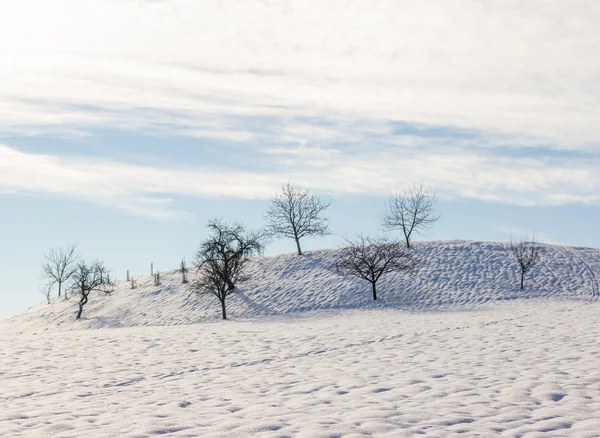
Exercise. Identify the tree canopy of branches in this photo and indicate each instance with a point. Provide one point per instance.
(526, 252)
(411, 212)
(221, 259)
(369, 259)
(295, 213)
(59, 264)
(88, 278)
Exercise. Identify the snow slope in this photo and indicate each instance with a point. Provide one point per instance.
(449, 274)
(448, 352)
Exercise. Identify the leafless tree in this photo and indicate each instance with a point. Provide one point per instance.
(59, 265)
(412, 212)
(46, 290)
(369, 259)
(221, 259)
(157, 278)
(526, 252)
(295, 213)
(88, 278)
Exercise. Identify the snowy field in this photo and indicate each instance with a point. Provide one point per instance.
(454, 351)
(525, 368)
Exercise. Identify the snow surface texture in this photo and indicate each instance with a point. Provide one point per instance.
(466, 359)
(449, 274)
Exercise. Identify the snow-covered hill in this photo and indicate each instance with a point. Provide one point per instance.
(489, 364)
(455, 273)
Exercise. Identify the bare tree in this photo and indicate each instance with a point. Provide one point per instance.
(59, 265)
(221, 259)
(295, 213)
(527, 254)
(369, 259)
(412, 212)
(88, 278)
(46, 290)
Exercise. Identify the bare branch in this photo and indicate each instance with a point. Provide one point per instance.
(88, 278)
(46, 290)
(295, 213)
(411, 212)
(526, 252)
(369, 259)
(59, 265)
(221, 259)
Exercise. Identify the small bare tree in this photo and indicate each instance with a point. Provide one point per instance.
(369, 259)
(526, 252)
(221, 259)
(295, 213)
(59, 265)
(88, 278)
(157, 278)
(412, 212)
(46, 290)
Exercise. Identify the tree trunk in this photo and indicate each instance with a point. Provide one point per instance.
(223, 309)
(522, 278)
(374, 290)
(81, 304)
(59, 288)
(407, 241)
(298, 246)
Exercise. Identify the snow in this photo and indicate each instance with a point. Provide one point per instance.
(456, 349)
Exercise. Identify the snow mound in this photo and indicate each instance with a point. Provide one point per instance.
(455, 273)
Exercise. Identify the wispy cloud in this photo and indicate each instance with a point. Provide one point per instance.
(527, 69)
(359, 97)
(149, 190)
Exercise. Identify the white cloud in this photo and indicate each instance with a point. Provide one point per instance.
(528, 69)
(320, 90)
(149, 190)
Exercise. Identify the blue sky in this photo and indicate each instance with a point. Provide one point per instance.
(125, 125)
